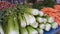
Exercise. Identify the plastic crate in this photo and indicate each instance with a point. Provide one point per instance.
(52, 31)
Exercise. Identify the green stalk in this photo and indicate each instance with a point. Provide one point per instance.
(22, 20)
(12, 24)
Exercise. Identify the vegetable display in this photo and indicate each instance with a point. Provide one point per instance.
(22, 19)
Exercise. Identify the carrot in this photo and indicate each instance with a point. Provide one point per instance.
(58, 21)
(57, 7)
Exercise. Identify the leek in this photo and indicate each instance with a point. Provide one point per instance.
(32, 11)
(12, 27)
(31, 18)
(40, 31)
(41, 13)
(27, 18)
(39, 20)
(34, 25)
(22, 21)
(23, 30)
(41, 26)
(45, 20)
(32, 30)
(47, 27)
(54, 25)
(50, 20)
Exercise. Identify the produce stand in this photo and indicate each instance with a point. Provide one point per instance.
(17, 19)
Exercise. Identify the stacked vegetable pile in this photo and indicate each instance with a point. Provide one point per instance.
(22, 19)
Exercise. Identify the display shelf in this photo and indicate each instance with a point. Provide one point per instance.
(52, 31)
